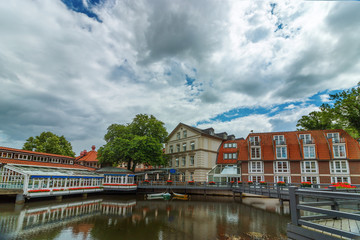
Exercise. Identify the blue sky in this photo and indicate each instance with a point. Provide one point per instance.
(74, 67)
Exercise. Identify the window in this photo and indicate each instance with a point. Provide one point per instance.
(178, 147)
(281, 152)
(191, 160)
(178, 135)
(183, 162)
(279, 140)
(170, 163)
(171, 149)
(339, 166)
(230, 145)
(176, 162)
(335, 137)
(339, 151)
(281, 167)
(255, 141)
(255, 153)
(340, 179)
(256, 178)
(192, 145)
(309, 151)
(256, 167)
(306, 138)
(312, 179)
(309, 167)
(184, 147)
(184, 134)
(285, 179)
(230, 155)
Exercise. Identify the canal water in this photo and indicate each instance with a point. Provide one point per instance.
(105, 217)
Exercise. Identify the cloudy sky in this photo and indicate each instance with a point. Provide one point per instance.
(74, 67)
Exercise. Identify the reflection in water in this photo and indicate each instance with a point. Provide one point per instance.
(118, 217)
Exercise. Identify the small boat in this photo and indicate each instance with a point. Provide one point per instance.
(164, 195)
(181, 196)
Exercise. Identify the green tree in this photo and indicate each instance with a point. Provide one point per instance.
(344, 113)
(49, 142)
(134, 143)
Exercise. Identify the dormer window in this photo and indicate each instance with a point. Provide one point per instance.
(279, 140)
(254, 140)
(339, 151)
(306, 138)
(335, 137)
(281, 152)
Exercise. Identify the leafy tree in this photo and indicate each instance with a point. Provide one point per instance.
(344, 113)
(134, 143)
(48, 142)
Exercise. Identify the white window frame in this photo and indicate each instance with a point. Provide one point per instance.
(335, 164)
(177, 162)
(284, 168)
(313, 168)
(251, 153)
(279, 139)
(286, 179)
(256, 167)
(307, 154)
(256, 178)
(311, 179)
(283, 149)
(338, 147)
(335, 179)
(334, 135)
(306, 138)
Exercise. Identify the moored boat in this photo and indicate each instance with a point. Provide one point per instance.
(181, 196)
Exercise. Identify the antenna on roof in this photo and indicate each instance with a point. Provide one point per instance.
(252, 131)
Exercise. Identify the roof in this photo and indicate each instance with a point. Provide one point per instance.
(323, 146)
(208, 131)
(113, 170)
(89, 157)
(32, 152)
(43, 164)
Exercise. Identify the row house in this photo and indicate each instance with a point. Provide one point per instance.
(193, 151)
(317, 156)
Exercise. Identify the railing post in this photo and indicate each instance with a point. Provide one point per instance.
(294, 201)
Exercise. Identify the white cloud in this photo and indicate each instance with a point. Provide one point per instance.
(64, 72)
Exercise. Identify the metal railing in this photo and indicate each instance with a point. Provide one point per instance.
(324, 214)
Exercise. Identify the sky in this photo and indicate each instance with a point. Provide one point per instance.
(73, 67)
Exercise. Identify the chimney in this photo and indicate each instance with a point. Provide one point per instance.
(85, 152)
(82, 153)
(93, 147)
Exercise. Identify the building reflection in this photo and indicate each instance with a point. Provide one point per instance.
(156, 219)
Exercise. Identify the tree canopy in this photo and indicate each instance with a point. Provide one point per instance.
(344, 113)
(135, 143)
(49, 142)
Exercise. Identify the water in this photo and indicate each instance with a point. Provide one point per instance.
(131, 217)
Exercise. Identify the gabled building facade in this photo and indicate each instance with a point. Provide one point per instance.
(317, 156)
(193, 151)
(88, 159)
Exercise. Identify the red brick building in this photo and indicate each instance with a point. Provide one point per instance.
(317, 156)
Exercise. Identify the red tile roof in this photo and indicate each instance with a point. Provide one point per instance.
(323, 146)
(31, 152)
(43, 164)
(89, 157)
